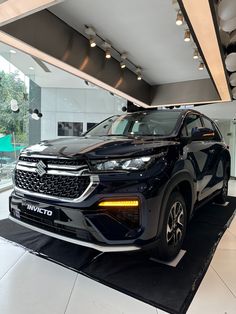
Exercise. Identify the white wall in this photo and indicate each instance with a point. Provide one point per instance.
(225, 110)
(75, 105)
(225, 113)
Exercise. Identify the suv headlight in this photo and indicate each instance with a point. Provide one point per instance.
(139, 163)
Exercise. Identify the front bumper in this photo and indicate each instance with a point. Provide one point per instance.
(85, 224)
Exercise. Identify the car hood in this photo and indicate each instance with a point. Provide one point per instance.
(101, 147)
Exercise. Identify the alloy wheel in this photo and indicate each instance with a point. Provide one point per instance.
(175, 224)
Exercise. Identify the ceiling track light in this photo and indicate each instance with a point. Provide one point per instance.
(123, 58)
(139, 74)
(107, 47)
(195, 54)
(92, 42)
(201, 66)
(179, 18)
(90, 31)
(187, 35)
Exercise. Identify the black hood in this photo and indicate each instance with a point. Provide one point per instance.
(99, 147)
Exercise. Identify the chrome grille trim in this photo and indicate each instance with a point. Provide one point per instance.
(94, 181)
(50, 166)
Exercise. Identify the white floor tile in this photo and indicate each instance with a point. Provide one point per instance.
(213, 297)
(228, 241)
(9, 256)
(224, 263)
(35, 285)
(90, 297)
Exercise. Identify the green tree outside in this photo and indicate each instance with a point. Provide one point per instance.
(12, 87)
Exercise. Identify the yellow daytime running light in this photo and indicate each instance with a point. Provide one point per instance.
(128, 203)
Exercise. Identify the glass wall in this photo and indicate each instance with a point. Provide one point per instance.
(39, 101)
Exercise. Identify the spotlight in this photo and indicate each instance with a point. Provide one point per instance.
(187, 35)
(122, 65)
(90, 31)
(107, 47)
(139, 74)
(179, 18)
(123, 58)
(12, 51)
(108, 53)
(92, 42)
(31, 68)
(201, 66)
(195, 54)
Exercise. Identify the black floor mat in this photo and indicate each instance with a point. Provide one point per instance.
(163, 286)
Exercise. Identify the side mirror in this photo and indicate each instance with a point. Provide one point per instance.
(201, 134)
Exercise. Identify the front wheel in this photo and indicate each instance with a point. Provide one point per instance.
(174, 227)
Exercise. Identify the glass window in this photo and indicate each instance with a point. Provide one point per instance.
(70, 128)
(207, 123)
(192, 121)
(150, 123)
(90, 125)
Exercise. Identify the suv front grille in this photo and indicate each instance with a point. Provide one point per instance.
(55, 177)
(61, 186)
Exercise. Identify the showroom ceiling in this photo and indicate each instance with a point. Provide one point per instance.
(144, 29)
(43, 74)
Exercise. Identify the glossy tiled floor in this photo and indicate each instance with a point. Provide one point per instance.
(29, 284)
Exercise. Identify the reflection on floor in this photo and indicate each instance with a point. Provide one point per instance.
(30, 284)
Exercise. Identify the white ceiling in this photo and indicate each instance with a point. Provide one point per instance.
(146, 29)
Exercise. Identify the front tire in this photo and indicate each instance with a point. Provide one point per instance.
(174, 227)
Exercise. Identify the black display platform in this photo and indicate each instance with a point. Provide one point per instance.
(168, 288)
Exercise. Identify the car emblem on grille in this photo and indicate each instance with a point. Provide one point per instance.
(40, 168)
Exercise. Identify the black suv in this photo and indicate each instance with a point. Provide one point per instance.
(132, 181)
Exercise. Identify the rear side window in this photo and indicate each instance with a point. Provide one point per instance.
(192, 122)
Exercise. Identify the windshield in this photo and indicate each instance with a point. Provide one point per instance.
(151, 123)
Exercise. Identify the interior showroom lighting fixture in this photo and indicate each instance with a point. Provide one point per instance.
(123, 58)
(201, 66)
(107, 47)
(31, 68)
(90, 31)
(12, 51)
(195, 54)
(179, 18)
(139, 74)
(204, 29)
(187, 35)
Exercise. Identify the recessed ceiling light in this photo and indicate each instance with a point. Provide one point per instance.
(179, 18)
(187, 35)
(12, 51)
(31, 68)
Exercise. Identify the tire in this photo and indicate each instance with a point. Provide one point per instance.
(222, 197)
(173, 229)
